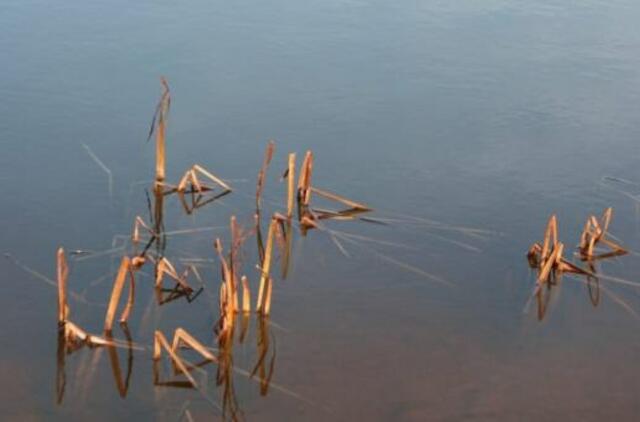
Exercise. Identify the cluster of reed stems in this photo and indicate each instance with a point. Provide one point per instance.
(198, 183)
(595, 232)
(547, 257)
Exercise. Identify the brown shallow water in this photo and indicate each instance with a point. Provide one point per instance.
(489, 115)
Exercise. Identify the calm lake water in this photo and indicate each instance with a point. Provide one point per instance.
(488, 115)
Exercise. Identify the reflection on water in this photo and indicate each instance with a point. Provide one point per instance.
(66, 348)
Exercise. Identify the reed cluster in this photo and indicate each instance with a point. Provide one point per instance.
(196, 188)
(548, 257)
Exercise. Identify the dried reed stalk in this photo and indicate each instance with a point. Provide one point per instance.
(159, 121)
(308, 222)
(266, 266)
(165, 267)
(291, 184)
(268, 155)
(236, 241)
(159, 343)
(547, 258)
(63, 274)
(267, 301)
(227, 315)
(595, 232)
(304, 182)
(259, 240)
(75, 334)
(139, 223)
(230, 288)
(181, 336)
(118, 285)
(191, 178)
(246, 295)
(211, 177)
(354, 206)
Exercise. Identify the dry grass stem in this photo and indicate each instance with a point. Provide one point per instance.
(159, 343)
(595, 232)
(164, 267)
(266, 266)
(139, 223)
(124, 270)
(304, 182)
(158, 125)
(63, 274)
(181, 337)
(291, 184)
(355, 206)
(268, 156)
(190, 182)
(267, 301)
(227, 279)
(548, 257)
(246, 295)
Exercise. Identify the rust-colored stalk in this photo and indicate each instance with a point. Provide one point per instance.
(165, 267)
(304, 182)
(182, 336)
(62, 273)
(124, 270)
(246, 295)
(161, 119)
(267, 301)
(356, 206)
(159, 343)
(227, 277)
(268, 155)
(266, 265)
(233, 263)
(291, 184)
(212, 177)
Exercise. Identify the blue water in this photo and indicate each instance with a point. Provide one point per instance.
(490, 115)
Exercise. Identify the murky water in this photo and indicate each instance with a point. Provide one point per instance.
(488, 115)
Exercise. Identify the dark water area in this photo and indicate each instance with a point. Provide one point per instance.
(439, 115)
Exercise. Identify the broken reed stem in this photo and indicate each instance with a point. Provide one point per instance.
(182, 336)
(62, 273)
(211, 176)
(268, 155)
(354, 205)
(233, 253)
(291, 184)
(304, 182)
(135, 235)
(159, 343)
(231, 293)
(165, 267)
(259, 241)
(73, 333)
(160, 152)
(550, 237)
(246, 296)
(266, 265)
(267, 301)
(548, 258)
(191, 176)
(162, 111)
(124, 270)
(595, 232)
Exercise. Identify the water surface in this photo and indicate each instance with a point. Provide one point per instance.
(490, 115)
